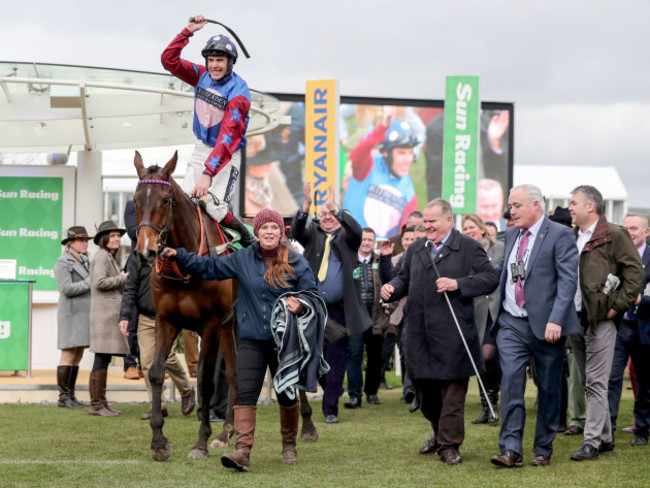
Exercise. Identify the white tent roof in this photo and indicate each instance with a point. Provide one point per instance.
(56, 108)
(557, 181)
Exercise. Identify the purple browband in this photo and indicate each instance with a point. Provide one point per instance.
(162, 182)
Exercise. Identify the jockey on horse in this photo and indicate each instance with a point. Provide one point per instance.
(221, 106)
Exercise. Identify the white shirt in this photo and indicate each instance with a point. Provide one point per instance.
(583, 238)
(509, 302)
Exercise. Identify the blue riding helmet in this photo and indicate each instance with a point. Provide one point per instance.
(220, 46)
(399, 134)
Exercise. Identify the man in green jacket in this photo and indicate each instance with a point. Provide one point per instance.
(610, 278)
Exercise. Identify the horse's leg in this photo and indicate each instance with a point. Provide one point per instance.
(229, 354)
(165, 335)
(209, 352)
(308, 432)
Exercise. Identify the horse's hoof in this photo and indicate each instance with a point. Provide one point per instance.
(162, 454)
(219, 442)
(309, 436)
(197, 453)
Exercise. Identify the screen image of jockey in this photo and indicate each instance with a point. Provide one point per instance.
(380, 193)
(222, 102)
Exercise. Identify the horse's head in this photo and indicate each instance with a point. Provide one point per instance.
(153, 207)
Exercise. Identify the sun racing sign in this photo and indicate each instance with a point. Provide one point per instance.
(321, 138)
(461, 140)
(30, 226)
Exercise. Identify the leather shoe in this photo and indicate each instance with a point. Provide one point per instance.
(508, 459)
(415, 405)
(147, 416)
(214, 418)
(586, 453)
(385, 386)
(331, 419)
(574, 430)
(606, 448)
(541, 461)
(188, 402)
(450, 456)
(639, 440)
(353, 403)
(409, 396)
(131, 373)
(430, 445)
(372, 399)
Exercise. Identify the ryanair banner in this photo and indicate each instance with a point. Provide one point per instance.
(461, 142)
(321, 139)
(31, 226)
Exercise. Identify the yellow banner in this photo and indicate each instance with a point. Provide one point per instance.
(321, 139)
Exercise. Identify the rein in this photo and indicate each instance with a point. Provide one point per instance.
(165, 267)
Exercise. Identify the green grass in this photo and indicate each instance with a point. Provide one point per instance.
(376, 446)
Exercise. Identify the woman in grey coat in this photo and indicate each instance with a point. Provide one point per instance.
(72, 274)
(106, 339)
(486, 309)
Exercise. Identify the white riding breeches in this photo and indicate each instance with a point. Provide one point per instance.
(223, 183)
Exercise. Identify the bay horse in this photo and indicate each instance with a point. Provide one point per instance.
(166, 216)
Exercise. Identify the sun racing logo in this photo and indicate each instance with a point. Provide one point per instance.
(5, 329)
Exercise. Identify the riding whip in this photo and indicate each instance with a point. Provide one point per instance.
(232, 32)
(451, 309)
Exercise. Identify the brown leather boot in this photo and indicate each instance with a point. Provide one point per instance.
(102, 374)
(244, 435)
(96, 387)
(289, 417)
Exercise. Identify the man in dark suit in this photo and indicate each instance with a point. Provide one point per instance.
(331, 248)
(437, 360)
(633, 340)
(539, 277)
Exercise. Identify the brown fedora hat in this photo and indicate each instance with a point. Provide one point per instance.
(106, 227)
(75, 232)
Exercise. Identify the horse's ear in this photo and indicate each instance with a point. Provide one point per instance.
(170, 167)
(139, 167)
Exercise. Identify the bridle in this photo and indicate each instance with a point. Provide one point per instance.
(162, 232)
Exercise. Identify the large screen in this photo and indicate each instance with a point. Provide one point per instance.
(390, 160)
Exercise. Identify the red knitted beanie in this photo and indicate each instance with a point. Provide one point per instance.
(265, 216)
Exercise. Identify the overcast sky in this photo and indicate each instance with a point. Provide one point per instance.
(577, 71)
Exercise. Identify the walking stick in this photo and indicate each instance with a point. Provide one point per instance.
(451, 309)
(232, 32)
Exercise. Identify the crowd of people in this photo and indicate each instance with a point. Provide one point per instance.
(566, 292)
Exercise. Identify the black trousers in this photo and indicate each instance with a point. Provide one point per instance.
(253, 357)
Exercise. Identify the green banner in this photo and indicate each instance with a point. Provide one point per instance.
(14, 326)
(30, 226)
(461, 143)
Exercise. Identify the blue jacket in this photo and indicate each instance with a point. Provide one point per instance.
(255, 297)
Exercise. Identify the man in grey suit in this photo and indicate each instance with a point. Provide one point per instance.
(538, 282)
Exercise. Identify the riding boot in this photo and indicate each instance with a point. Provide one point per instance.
(96, 387)
(244, 435)
(235, 223)
(289, 418)
(493, 395)
(484, 417)
(72, 385)
(63, 382)
(102, 373)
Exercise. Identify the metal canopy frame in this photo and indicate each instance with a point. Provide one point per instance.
(80, 113)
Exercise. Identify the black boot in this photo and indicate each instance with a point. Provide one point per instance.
(246, 238)
(71, 387)
(484, 418)
(63, 382)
